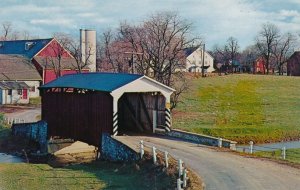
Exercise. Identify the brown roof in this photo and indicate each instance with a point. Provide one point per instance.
(14, 67)
(48, 62)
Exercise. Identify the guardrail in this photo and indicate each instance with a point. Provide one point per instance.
(275, 152)
(182, 171)
(10, 121)
(202, 139)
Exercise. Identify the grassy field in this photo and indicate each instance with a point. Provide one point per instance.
(35, 101)
(292, 155)
(98, 175)
(242, 108)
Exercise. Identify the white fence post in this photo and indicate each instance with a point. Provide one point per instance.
(180, 167)
(154, 120)
(142, 148)
(166, 159)
(154, 154)
(179, 182)
(283, 153)
(184, 180)
(251, 147)
(220, 142)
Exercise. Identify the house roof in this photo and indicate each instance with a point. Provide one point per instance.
(13, 85)
(13, 67)
(66, 62)
(106, 82)
(190, 50)
(295, 54)
(17, 47)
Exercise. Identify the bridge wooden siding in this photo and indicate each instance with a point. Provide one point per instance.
(84, 106)
(79, 116)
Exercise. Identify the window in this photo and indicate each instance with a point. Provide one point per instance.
(20, 91)
(9, 92)
(29, 45)
(32, 89)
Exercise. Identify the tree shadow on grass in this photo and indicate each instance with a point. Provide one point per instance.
(132, 176)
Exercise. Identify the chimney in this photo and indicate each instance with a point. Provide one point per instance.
(88, 48)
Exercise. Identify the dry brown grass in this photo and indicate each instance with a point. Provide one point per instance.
(194, 181)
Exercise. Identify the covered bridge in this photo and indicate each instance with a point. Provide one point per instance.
(83, 106)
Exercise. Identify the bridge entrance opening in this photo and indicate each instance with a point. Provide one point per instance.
(141, 112)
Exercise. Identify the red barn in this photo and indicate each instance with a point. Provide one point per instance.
(293, 64)
(49, 57)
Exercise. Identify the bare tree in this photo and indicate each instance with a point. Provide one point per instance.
(155, 48)
(181, 85)
(6, 29)
(228, 53)
(113, 51)
(81, 61)
(283, 49)
(58, 52)
(265, 42)
(161, 39)
(25, 35)
(232, 48)
(15, 35)
(248, 57)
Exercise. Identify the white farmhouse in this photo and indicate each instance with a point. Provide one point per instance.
(194, 57)
(17, 74)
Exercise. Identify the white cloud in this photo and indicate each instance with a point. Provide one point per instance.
(289, 13)
(52, 22)
(86, 15)
(214, 20)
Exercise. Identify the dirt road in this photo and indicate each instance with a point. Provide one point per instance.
(225, 170)
(29, 114)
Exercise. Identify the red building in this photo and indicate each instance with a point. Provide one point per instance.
(49, 57)
(293, 64)
(259, 66)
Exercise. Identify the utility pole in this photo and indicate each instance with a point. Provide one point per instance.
(132, 62)
(203, 52)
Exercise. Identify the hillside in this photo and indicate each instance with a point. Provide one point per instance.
(242, 108)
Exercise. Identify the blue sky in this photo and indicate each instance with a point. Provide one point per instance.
(214, 20)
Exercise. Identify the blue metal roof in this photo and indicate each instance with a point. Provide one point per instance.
(18, 47)
(106, 82)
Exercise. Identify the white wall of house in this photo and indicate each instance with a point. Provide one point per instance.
(194, 60)
(33, 91)
(14, 98)
(2, 91)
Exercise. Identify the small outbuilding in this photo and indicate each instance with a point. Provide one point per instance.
(83, 106)
(14, 93)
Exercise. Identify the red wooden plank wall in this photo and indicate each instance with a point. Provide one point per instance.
(79, 116)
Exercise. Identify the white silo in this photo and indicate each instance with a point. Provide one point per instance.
(88, 48)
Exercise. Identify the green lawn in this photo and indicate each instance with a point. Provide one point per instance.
(35, 101)
(292, 155)
(242, 108)
(98, 175)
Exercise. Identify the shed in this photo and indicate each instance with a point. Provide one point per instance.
(14, 92)
(83, 106)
